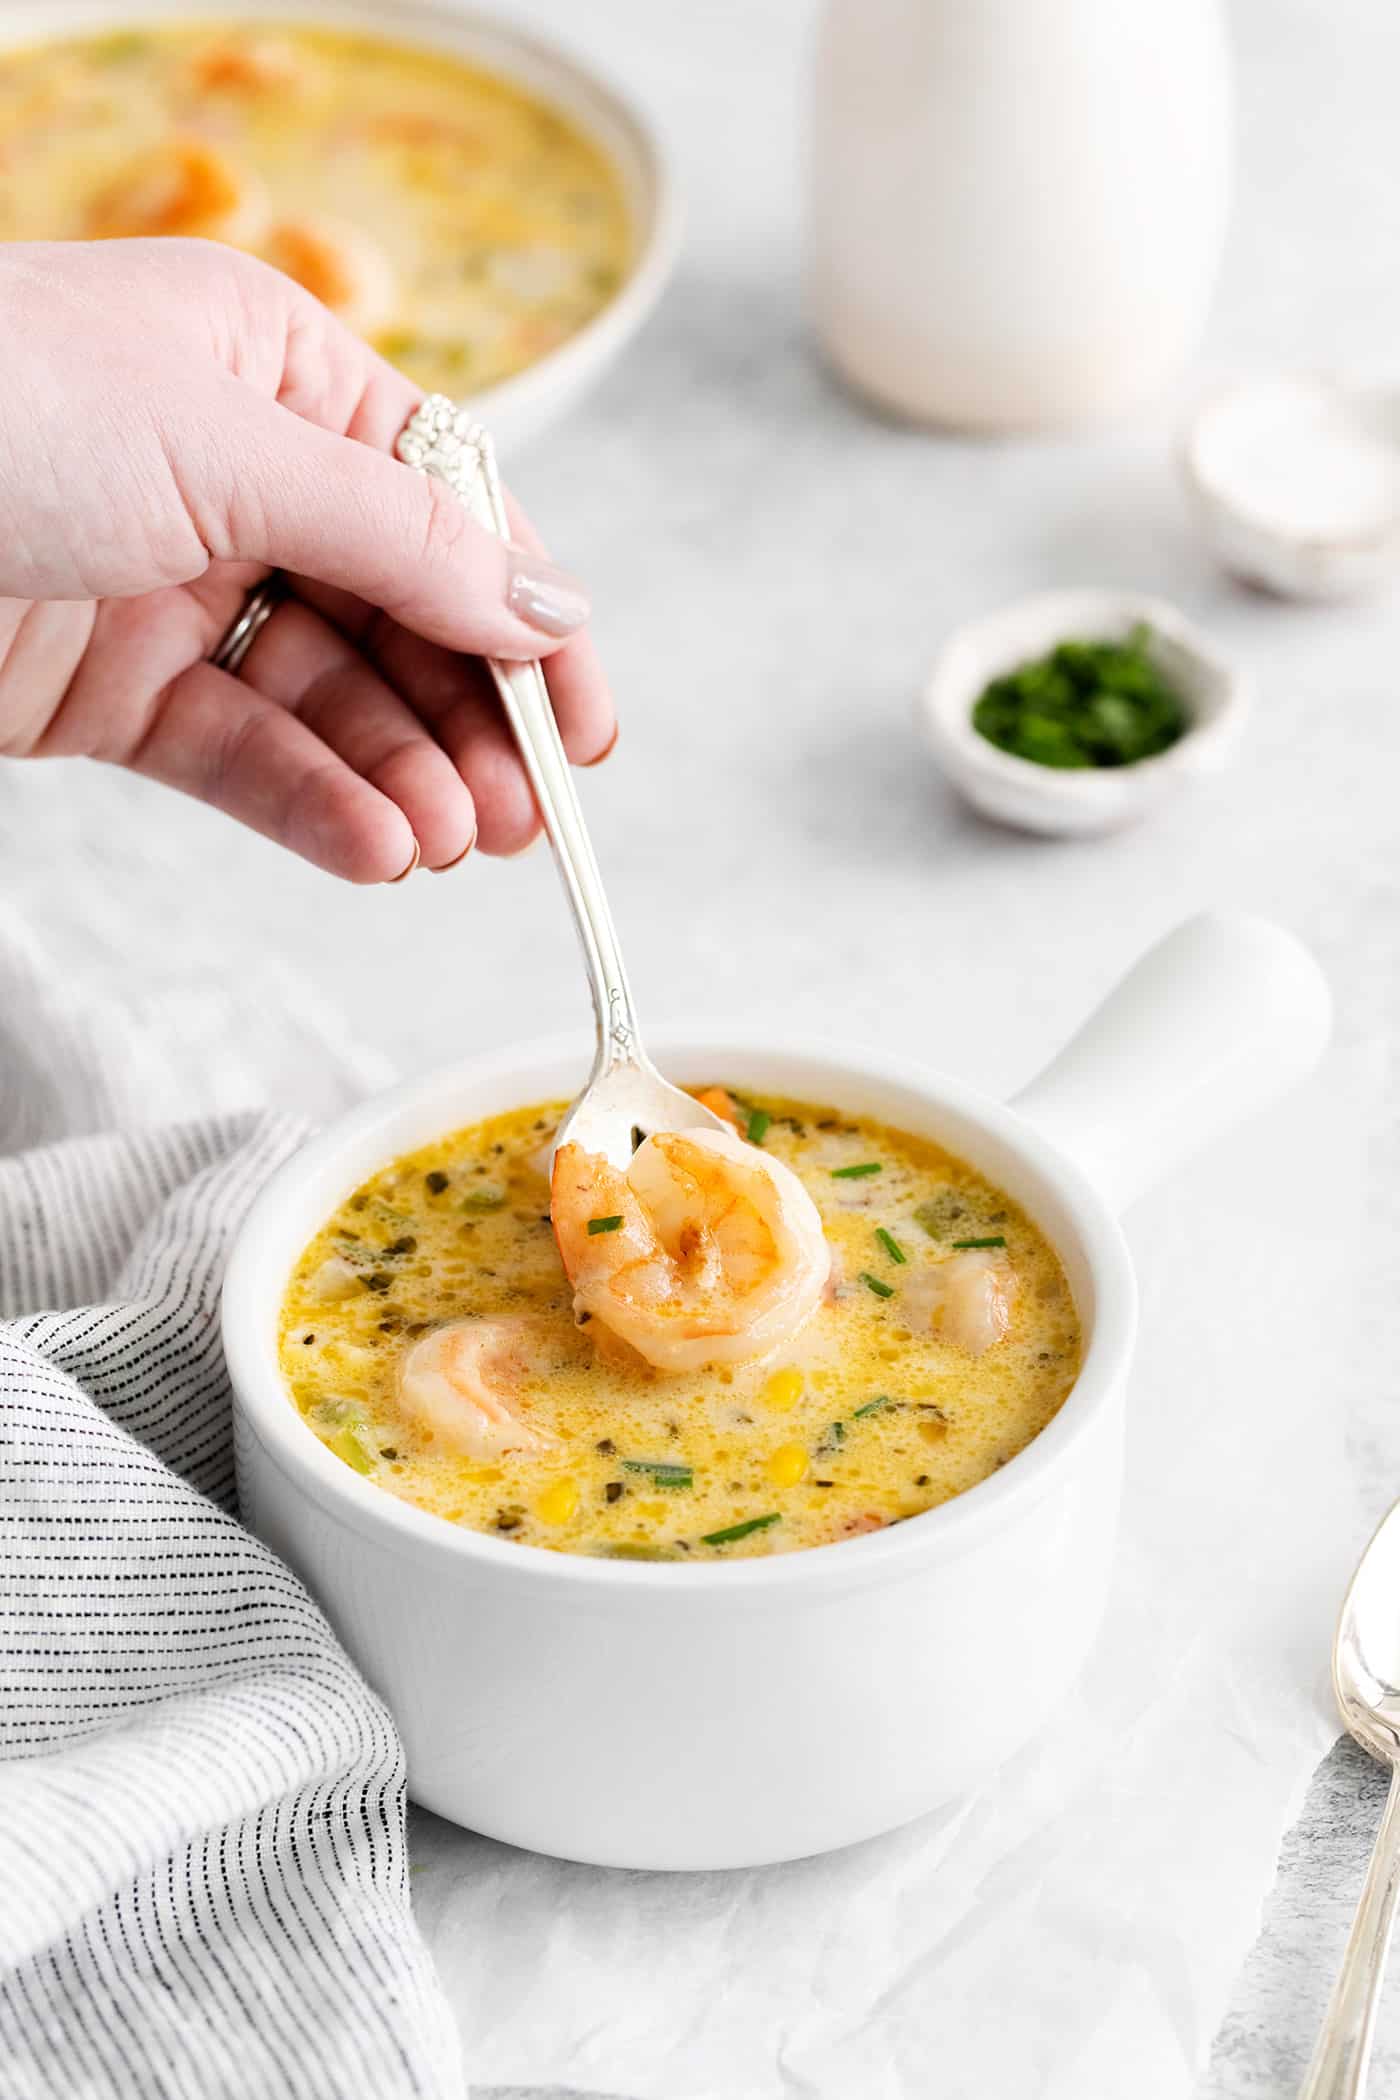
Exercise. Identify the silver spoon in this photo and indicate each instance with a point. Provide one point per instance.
(625, 1098)
(1366, 1679)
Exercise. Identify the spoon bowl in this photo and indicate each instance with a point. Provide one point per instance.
(626, 1102)
(1366, 1653)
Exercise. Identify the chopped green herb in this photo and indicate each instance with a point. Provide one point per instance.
(759, 1120)
(996, 1239)
(597, 1225)
(873, 1283)
(867, 1166)
(740, 1531)
(349, 1444)
(891, 1245)
(838, 1430)
(625, 1550)
(661, 1473)
(872, 1407)
(487, 1195)
(437, 1181)
(1086, 704)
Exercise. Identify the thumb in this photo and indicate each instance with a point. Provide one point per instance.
(296, 496)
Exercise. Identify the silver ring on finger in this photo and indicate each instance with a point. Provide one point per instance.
(257, 609)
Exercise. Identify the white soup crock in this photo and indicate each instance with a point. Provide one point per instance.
(649, 1715)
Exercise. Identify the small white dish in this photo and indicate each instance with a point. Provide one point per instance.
(1294, 479)
(1063, 804)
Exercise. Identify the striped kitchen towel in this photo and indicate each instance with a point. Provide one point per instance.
(203, 1880)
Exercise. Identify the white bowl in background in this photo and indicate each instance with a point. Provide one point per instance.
(523, 405)
(1046, 799)
(717, 1715)
(1294, 479)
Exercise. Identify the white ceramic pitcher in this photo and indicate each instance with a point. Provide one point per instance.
(1017, 205)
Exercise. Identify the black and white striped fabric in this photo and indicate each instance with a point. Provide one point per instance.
(203, 1881)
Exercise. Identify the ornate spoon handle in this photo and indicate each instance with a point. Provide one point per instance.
(1343, 2053)
(442, 439)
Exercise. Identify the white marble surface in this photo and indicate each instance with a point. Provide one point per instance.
(773, 570)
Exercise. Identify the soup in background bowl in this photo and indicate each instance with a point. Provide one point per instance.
(469, 223)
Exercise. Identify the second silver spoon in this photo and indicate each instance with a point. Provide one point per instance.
(1366, 1678)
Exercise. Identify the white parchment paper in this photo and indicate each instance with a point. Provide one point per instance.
(1073, 1929)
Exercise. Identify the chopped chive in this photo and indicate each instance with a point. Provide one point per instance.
(759, 1120)
(740, 1531)
(871, 1407)
(867, 1166)
(873, 1283)
(997, 1239)
(661, 1474)
(838, 1430)
(604, 1224)
(891, 1245)
(625, 1550)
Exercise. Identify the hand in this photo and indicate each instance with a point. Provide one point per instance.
(176, 420)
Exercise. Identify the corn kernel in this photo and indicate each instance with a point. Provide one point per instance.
(783, 1390)
(787, 1465)
(558, 1502)
(933, 1429)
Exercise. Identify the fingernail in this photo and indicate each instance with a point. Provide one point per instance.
(545, 598)
(458, 861)
(607, 750)
(417, 856)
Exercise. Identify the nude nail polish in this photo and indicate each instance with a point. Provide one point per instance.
(608, 748)
(545, 598)
(458, 861)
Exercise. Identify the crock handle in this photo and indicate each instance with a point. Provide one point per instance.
(1222, 1017)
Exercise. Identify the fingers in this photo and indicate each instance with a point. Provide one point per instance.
(284, 491)
(583, 705)
(453, 695)
(305, 665)
(216, 737)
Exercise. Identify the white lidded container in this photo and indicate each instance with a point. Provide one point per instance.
(1017, 206)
